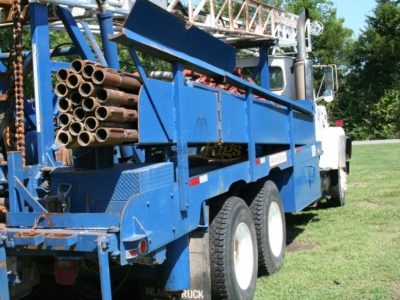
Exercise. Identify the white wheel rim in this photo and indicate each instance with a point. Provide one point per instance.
(243, 256)
(275, 229)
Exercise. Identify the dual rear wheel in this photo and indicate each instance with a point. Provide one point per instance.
(246, 241)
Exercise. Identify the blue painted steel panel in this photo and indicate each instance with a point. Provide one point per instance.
(104, 268)
(219, 181)
(234, 120)
(156, 110)
(94, 190)
(270, 123)
(284, 182)
(263, 68)
(200, 115)
(64, 220)
(303, 129)
(22, 184)
(301, 185)
(251, 148)
(42, 81)
(170, 38)
(181, 161)
(109, 47)
(176, 264)
(155, 215)
(306, 175)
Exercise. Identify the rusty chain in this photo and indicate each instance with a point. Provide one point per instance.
(36, 224)
(18, 84)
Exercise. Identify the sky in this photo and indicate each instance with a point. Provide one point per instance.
(354, 12)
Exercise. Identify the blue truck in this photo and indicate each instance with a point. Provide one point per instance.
(166, 180)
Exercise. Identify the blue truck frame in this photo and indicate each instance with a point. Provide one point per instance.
(125, 211)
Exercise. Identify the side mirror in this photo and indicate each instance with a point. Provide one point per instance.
(329, 83)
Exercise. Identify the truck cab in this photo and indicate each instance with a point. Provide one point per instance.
(280, 73)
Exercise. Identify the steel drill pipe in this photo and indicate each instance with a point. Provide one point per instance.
(77, 65)
(75, 128)
(64, 105)
(74, 80)
(87, 89)
(66, 139)
(63, 74)
(116, 135)
(64, 119)
(90, 104)
(62, 90)
(92, 124)
(122, 81)
(87, 71)
(116, 114)
(79, 114)
(116, 97)
(75, 98)
(86, 139)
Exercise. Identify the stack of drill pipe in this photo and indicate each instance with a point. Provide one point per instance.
(97, 105)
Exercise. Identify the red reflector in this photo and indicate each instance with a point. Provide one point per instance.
(143, 247)
(65, 272)
(198, 180)
(194, 181)
(298, 150)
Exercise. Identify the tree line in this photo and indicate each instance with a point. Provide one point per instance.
(368, 99)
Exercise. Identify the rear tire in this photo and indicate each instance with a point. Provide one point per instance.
(233, 253)
(337, 191)
(269, 222)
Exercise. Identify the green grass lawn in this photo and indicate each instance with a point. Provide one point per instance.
(352, 252)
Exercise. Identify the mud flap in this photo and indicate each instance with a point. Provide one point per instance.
(199, 273)
(200, 287)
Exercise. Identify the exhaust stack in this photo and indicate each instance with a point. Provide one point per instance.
(303, 66)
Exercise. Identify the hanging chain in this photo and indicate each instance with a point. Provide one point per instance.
(36, 224)
(18, 86)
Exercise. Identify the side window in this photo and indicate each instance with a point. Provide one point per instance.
(252, 73)
(276, 80)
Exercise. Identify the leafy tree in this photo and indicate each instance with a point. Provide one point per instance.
(332, 46)
(386, 114)
(371, 88)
